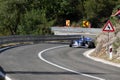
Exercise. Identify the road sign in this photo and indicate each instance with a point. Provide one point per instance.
(67, 22)
(86, 23)
(108, 27)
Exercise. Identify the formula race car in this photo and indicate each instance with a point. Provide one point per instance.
(85, 42)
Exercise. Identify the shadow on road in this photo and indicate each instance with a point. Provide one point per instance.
(18, 45)
(10, 47)
(2, 73)
(41, 73)
(56, 73)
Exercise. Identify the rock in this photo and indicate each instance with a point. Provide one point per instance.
(118, 35)
(111, 41)
(118, 51)
(103, 41)
(98, 48)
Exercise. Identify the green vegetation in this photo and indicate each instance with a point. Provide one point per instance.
(21, 17)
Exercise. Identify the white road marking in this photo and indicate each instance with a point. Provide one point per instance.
(5, 76)
(43, 59)
(87, 54)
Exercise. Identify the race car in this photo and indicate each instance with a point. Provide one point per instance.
(85, 42)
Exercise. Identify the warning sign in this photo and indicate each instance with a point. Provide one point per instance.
(86, 23)
(67, 22)
(108, 27)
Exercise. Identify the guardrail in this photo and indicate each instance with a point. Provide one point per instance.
(31, 38)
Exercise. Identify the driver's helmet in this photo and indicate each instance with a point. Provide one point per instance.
(82, 37)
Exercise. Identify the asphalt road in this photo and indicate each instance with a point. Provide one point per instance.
(65, 63)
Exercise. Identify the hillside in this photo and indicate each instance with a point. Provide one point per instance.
(103, 43)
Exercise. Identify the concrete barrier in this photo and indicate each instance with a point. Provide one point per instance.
(75, 30)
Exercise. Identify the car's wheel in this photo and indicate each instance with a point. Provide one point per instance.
(86, 45)
(89, 45)
(70, 45)
(92, 45)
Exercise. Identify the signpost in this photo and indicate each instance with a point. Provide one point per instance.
(108, 27)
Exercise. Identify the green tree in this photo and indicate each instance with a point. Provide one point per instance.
(35, 22)
(23, 16)
(36, 16)
(98, 11)
(69, 9)
(11, 11)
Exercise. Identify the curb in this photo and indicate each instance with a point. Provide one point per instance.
(87, 54)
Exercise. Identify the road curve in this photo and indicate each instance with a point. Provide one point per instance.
(23, 63)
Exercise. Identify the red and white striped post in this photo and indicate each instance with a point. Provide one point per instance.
(110, 52)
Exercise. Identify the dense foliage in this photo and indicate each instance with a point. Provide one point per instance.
(37, 16)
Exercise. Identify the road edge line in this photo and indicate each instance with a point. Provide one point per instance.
(87, 54)
(5, 76)
(40, 56)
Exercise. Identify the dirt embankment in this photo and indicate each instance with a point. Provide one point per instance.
(103, 42)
